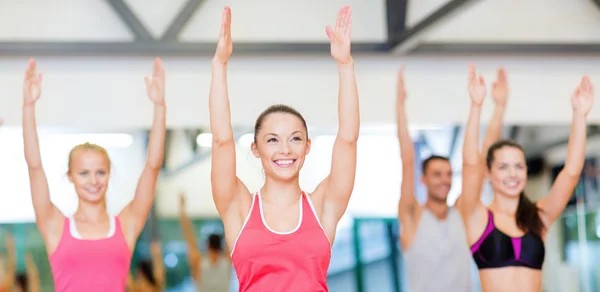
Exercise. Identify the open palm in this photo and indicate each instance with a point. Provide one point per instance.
(476, 86)
(155, 85)
(340, 35)
(32, 87)
(224, 44)
(583, 97)
(500, 87)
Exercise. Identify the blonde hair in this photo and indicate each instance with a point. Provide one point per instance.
(87, 146)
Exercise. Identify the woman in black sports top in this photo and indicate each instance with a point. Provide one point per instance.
(507, 237)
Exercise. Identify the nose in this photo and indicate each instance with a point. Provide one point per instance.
(93, 180)
(512, 172)
(285, 149)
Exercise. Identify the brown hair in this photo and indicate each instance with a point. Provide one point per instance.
(278, 108)
(88, 147)
(528, 218)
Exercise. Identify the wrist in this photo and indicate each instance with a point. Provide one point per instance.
(216, 63)
(347, 65)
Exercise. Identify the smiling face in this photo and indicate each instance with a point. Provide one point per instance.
(507, 169)
(89, 171)
(437, 177)
(281, 143)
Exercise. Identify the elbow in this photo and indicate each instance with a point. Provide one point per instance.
(154, 164)
(219, 141)
(350, 137)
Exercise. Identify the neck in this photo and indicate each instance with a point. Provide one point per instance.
(281, 192)
(505, 204)
(438, 208)
(91, 211)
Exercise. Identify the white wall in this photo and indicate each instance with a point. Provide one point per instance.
(126, 152)
(114, 89)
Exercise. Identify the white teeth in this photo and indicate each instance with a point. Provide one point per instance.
(92, 190)
(284, 162)
(512, 184)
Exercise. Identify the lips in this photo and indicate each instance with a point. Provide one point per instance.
(284, 162)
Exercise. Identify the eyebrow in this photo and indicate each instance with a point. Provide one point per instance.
(273, 134)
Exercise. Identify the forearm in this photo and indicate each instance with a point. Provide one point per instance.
(218, 103)
(30, 138)
(471, 144)
(576, 147)
(407, 151)
(156, 141)
(348, 108)
(494, 129)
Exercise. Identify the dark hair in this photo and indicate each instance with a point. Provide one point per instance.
(215, 242)
(21, 281)
(277, 108)
(528, 218)
(145, 267)
(431, 158)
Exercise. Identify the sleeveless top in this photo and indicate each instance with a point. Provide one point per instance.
(495, 249)
(294, 261)
(214, 278)
(90, 265)
(438, 258)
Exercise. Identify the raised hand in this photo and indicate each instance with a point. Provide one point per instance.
(32, 87)
(476, 86)
(401, 91)
(224, 44)
(583, 97)
(155, 85)
(340, 36)
(182, 201)
(155, 246)
(500, 87)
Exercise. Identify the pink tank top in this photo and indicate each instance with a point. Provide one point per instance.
(266, 260)
(90, 265)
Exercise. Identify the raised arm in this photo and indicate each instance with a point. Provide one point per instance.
(473, 167)
(408, 206)
(33, 276)
(554, 203)
(336, 189)
(500, 95)
(11, 266)
(158, 266)
(194, 254)
(226, 186)
(135, 214)
(48, 217)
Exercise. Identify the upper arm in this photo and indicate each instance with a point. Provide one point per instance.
(135, 214)
(472, 182)
(226, 186)
(48, 218)
(554, 203)
(336, 189)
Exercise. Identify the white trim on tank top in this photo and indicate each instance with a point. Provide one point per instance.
(264, 222)
(75, 233)
(243, 226)
(312, 207)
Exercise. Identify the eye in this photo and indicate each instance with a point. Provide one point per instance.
(101, 172)
(83, 173)
(271, 140)
(296, 139)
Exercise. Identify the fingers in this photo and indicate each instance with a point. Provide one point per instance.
(472, 75)
(481, 81)
(401, 75)
(148, 82)
(338, 21)
(31, 68)
(347, 20)
(329, 32)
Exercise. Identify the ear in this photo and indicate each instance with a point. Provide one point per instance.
(422, 179)
(487, 174)
(70, 177)
(255, 150)
(308, 145)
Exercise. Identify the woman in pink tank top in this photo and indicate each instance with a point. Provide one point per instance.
(91, 251)
(280, 239)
